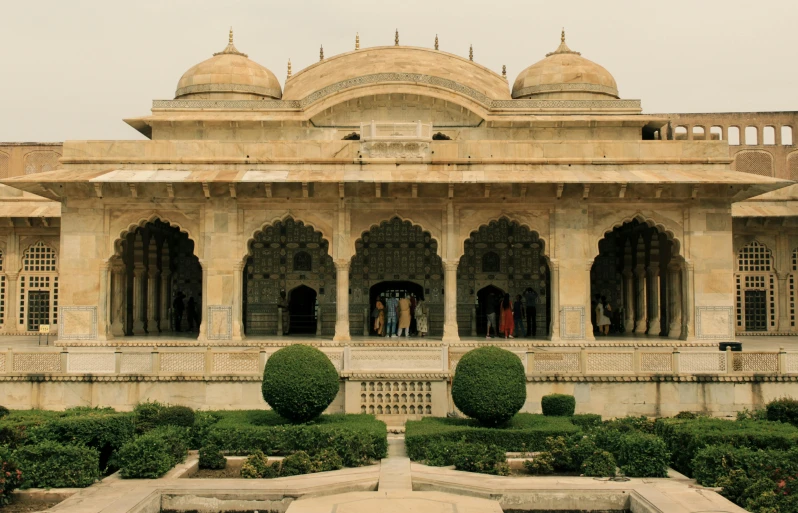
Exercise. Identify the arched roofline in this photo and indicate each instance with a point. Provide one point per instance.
(645, 219)
(510, 219)
(281, 219)
(404, 219)
(143, 221)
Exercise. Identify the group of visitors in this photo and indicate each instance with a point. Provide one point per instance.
(189, 308)
(602, 315)
(512, 314)
(400, 314)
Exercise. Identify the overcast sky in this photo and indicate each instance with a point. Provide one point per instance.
(73, 69)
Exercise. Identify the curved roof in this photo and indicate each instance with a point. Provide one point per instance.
(565, 74)
(229, 74)
(395, 64)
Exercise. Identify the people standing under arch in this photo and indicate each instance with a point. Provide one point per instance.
(507, 322)
(490, 314)
(531, 298)
(518, 316)
(391, 307)
(422, 321)
(602, 321)
(379, 318)
(178, 307)
(404, 316)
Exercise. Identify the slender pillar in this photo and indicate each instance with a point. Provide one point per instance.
(450, 333)
(554, 327)
(203, 313)
(238, 298)
(675, 299)
(783, 300)
(654, 326)
(688, 324)
(628, 300)
(139, 305)
(342, 301)
(118, 297)
(642, 306)
(104, 302)
(153, 286)
(166, 288)
(12, 303)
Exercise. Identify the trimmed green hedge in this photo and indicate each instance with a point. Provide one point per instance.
(524, 432)
(586, 420)
(783, 410)
(53, 465)
(642, 455)
(12, 476)
(684, 438)
(357, 439)
(714, 462)
(152, 454)
(558, 405)
(210, 457)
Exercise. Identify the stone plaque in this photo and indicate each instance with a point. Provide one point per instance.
(78, 323)
(572, 322)
(714, 322)
(91, 363)
(220, 322)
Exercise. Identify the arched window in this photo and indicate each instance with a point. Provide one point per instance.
(491, 262)
(751, 136)
(756, 289)
(303, 261)
(786, 135)
(680, 133)
(699, 134)
(769, 136)
(734, 136)
(38, 287)
(716, 133)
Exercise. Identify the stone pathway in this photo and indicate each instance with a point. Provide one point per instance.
(395, 469)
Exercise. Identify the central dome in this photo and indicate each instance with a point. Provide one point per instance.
(228, 75)
(565, 74)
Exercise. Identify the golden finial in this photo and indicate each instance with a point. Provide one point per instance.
(471, 53)
(321, 53)
(230, 38)
(230, 48)
(562, 35)
(289, 69)
(436, 42)
(396, 38)
(357, 41)
(563, 48)
(504, 71)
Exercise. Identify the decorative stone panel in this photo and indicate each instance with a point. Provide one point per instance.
(396, 397)
(791, 363)
(556, 362)
(409, 360)
(37, 362)
(337, 360)
(136, 363)
(235, 362)
(756, 162)
(2, 362)
(610, 363)
(572, 322)
(695, 362)
(656, 362)
(220, 322)
(77, 323)
(755, 362)
(183, 362)
(714, 322)
(91, 363)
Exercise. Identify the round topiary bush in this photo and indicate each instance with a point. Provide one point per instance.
(489, 385)
(210, 457)
(599, 464)
(182, 416)
(558, 405)
(299, 382)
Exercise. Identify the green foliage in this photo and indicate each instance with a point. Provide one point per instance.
(327, 460)
(541, 465)
(642, 455)
(716, 461)
(772, 491)
(175, 440)
(599, 464)
(145, 415)
(684, 438)
(52, 465)
(560, 453)
(747, 414)
(210, 457)
(152, 454)
(3, 411)
(296, 464)
(558, 405)
(257, 466)
(357, 439)
(688, 415)
(177, 415)
(299, 382)
(468, 456)
(586, 421)
(489, 385)
(524, 432)
(203, 422)
(783, 410)
(10, 476)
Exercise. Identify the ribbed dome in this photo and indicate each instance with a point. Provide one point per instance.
(565, 74)
(229, 74)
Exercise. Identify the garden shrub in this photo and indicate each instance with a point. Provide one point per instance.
(296, 464)
(299, 382)
(716, 461)
(540, 465)
(684, 438)
(489, 385)
(599, 464)
(628, 424)
(152, 454)
(468, 456)
(586, 421)
(177, 415)
(257, 466)
(210, 457)
(10, 476)
(642, 455)
(175, 441)
(52, 465)
(145, 415)
(568, 453)
(560, 453)
(783, 410)
(203, 422)
(558, 405)
(685, 415)
(524, 432)
(3, 411)
(327, 460)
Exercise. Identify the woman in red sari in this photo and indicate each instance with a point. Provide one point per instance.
(508, 323)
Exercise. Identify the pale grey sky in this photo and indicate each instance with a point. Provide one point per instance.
(72, 69)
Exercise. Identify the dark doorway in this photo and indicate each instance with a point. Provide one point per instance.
(483, 298)
(302, 311)
(386, 289)
(755, 310)
(38, 309)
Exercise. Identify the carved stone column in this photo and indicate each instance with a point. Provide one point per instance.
(153, 298)
(450, 333)
(628, 300)
(642, 305)
(118, 298)
(238, 298)
(342, 301)
(11, 323)
(139, 304)
(783, 301)
(554, 291)
(675, 299)
(203, 313)
(165, 291)
(688, 321)
(654, 326)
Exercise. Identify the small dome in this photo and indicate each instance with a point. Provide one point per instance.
(565, 74)
(229, 74)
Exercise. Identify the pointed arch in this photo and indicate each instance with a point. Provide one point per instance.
(466, 233)
(274, 221)
(659, 224)
(413, 220)
(129, 223)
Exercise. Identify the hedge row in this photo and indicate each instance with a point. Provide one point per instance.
(53, 465)
(524, 432)
(714, 462)
(685, 437)
(154, 453)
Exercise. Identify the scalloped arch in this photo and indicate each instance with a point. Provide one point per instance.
(639, 216)
(496, 219)
(281, 219)
(116, 250)
(402, 218)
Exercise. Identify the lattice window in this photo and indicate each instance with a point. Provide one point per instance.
(40, 161)
(792, 166)
(39, 258)
(754, 257)
(491, 262)
(754, 162)
(5, 163)
(3, 300)
(756, 296)
(396, 398)
(1, 261)
(303, 261)
(38, 288)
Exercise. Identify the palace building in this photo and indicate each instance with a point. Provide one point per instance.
(286, 210)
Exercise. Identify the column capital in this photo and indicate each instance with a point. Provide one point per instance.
(342, 264)
(451, 265)
(12, 276)
(653, 269)
(674, 267)
(239, 266)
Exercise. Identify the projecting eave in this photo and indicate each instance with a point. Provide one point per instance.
(141, 125)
